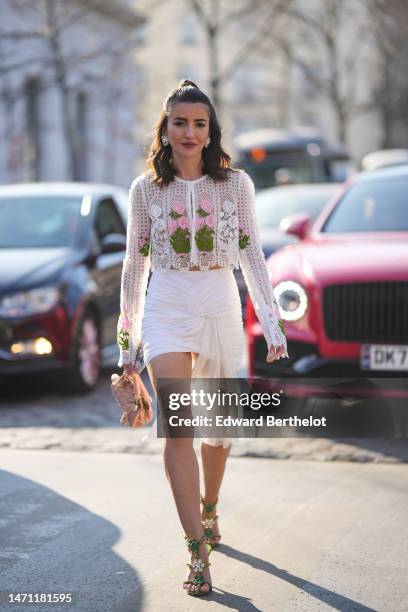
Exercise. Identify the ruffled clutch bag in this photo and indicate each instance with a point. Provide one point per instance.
(133, 399)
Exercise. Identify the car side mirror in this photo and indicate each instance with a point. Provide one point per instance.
(298, 225)
(113, 243)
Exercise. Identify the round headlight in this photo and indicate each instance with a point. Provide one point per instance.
(292, 300)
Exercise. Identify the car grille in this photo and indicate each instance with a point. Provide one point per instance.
(367, 312)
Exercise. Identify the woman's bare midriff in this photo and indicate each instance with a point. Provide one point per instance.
(197, 268)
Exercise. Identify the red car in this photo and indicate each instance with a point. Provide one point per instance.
(343, 288)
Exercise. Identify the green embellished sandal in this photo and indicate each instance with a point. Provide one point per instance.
(208, 523)
(197, 566)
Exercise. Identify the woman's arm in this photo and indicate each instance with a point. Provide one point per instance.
(135, 272)
(254, 268)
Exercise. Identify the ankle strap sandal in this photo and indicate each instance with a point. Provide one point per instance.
(197, 566)
(209, 522)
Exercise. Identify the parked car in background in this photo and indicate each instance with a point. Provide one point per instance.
(384, 159)
(273, 205)
(343, 289)
(61, 252)
(273, 156)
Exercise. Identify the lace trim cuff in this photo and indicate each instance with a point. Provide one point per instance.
(274, 330)
(136, 359)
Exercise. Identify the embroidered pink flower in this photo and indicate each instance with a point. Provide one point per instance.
(144, 245)
(210, 221)
(244, 237)
(206, 205)
(199, 223)
(183, 222)
(178, 207)
(143, 239)
(125, 323)
(172, 225)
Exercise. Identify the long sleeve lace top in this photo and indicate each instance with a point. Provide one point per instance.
(199, 223)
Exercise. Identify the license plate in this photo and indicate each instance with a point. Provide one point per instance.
(384, 357)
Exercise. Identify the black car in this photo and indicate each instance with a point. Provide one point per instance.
(61, 252)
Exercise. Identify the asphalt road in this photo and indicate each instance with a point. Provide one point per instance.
(297, 535)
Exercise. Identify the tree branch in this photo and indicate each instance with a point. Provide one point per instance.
(251, 45)
(21, 34)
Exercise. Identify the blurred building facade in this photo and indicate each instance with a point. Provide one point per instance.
(316, 64)
(82, 81)
(68, 90)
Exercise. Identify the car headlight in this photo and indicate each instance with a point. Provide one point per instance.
(30, 302)
(292, 300)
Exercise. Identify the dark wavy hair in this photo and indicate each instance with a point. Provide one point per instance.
(216, 162)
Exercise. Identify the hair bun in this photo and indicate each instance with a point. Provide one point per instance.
(187, 83)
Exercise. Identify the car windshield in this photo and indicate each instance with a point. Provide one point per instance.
(264, 177)
(372, 206)
(30, 222)
(273, 205)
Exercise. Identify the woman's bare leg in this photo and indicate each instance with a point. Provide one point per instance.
(180, 459)
(213, 459)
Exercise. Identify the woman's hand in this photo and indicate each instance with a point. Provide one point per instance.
(275, 353)
(129, 369)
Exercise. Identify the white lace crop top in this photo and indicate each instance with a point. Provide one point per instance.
(199, 223)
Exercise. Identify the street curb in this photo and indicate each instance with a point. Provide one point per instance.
(124, 440)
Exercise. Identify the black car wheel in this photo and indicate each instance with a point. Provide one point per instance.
(84, 371)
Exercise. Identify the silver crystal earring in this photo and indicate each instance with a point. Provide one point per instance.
(207, 142)
(165, 140)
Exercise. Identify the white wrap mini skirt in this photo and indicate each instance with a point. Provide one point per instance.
(197, 311)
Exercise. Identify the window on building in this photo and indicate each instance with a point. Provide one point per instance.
(246, 82)
(188, 29)
(32, 144)
(140, 34)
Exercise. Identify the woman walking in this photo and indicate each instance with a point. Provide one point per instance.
(192, 220)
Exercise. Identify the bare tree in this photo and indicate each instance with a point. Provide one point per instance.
(332, 62)
(60, 69)
(389, 19)
(217, 17)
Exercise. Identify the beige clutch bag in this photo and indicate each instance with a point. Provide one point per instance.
(133, 399)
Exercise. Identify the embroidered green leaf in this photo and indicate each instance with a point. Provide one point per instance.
(204, 238)
(243, 240)
(280, 323)
(144, 250)
(180, 240)
(202, 212)
(175, 215)
(123, 339)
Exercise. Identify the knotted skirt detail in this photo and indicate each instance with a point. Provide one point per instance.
(198, 311)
